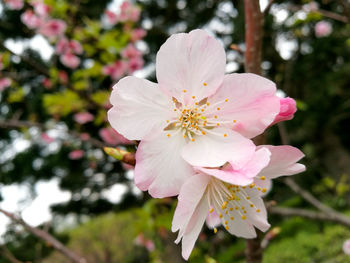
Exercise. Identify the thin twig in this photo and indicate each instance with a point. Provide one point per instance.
(268, 7)
(72, 256)
(287, 211)
(324, 13)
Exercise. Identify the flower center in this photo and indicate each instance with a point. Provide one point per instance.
(200, 118)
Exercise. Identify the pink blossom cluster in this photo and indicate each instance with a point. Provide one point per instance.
(130, 62)
(14, 4)
(323, 29)
(5, 83)
(128, 12)
(196, 128)
(141, 240)
(68, 49)
(38, 19)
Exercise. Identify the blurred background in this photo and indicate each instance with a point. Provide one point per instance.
(58, 62)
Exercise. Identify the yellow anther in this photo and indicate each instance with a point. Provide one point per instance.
(215, 117)
(175, 109)
(244, 217)
(204, 84)
(242, 207)
(234, 121)
(211, 210)
(215, 230)
(196, 103)
(184, 91)
(257, 210)
(208, 103)
(264, 190)
(251, 186)
(243, 187)
(193, 139)
(167, 121)
(226, 222)
(225, 135)
(236, 207)
(193, 97)
(220, 215)
(251, 205)
(231, 208)
(218, 108)
(244, 211)
(202, 110)
(227, 228)
(203, 132)
(226, 100)
(218, 124)
(168, 135)
(226, 212)
(262, 178)
(224, 205)
(185, 136)
(248, 197)
(232, 218)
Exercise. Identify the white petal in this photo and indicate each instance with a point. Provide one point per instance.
(160, 169)
(139, 106)
(193, 62)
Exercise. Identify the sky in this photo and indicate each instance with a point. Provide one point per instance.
(35, 211)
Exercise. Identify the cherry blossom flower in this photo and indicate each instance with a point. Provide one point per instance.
(129, 12)
(53, 28)
(288, 107)
(41, 9)
(70, 60)
(83, 117)
(131, 52)
(14, 4)
(115, 70)
(111, 17)
(112, 137)
(76, 154)
(47, 83)
(135, 64)
(240, 208)
(63, 77)
(46, 138)
(137, 34)
(323, 29)
(192, 116)
(5, 83)
(31, 20)
(346, 247)
(64, 46)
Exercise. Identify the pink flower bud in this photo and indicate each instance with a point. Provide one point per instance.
(323, 29)
(112, 18)
(288, 107)
(130, 52)
(41, 9)
(83, 117)
(63, 77)
(76, 154)
(46, 138)
(137, 34)
(47, 83)
(110, 136)
(115, 70)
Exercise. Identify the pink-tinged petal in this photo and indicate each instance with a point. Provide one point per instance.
(189, 65)
(283, 162)
(213, 220)
(288, 107)
(251, 102)
(160, 168)
(213, 150)
(194, 227)
(110, 136)
(191, 193)
(245, 175)
(76, 154)
(138, 107)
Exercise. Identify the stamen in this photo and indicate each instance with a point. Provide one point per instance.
(204, 84)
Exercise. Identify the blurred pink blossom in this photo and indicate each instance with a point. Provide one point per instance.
(76, 154)
(137, 34)
(288, 107)
(46, 138)
(141, 240)
(115, 70)
(135, 64)
(346, 247)
(85, 136)
(110, 136)
(70, 60)
(41, 9)
(1, 63)
(130, 52)
(83, 117)
(14, 4)
(112, 17)
(65, 46)
(323, 29)
(31, 20)
(53, 28)
(129, 12)
(5, 83)
(149, 245)
(47, 83)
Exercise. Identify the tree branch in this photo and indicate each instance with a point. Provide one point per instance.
(286, 211)
(7, 253)
(72, 256)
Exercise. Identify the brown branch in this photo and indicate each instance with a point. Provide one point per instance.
(72, 256)
(7, 253)
(268, 7)
(253, 40)
(286, 211)
(324, 13)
